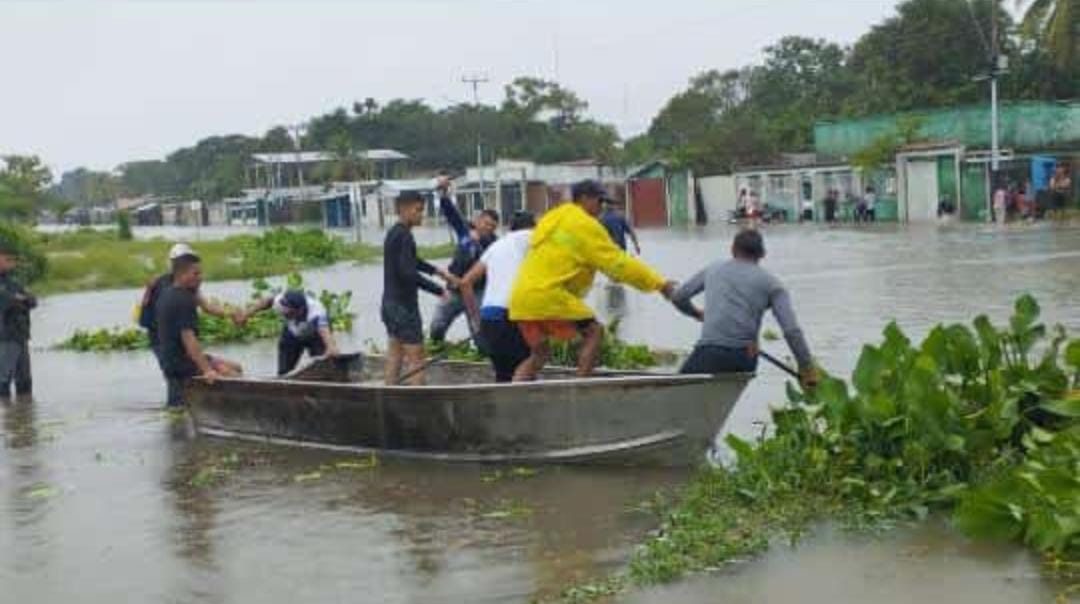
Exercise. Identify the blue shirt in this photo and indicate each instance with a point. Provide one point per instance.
(616, 226)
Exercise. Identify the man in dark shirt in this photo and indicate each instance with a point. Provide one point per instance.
(617, 226)
(180, 352)
(153, 291)
(472, 242)
(401, 278)
(15, 306)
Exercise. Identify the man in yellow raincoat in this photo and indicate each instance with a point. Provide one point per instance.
(566, 249)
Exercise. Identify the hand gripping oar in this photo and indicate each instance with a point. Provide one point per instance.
(442, 356)
(780, 364)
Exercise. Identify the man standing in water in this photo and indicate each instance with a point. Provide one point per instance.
(401, 278)
(153, 291)
(182, 356)
(737, 294)
(566, 249)
(617, 226)
(15, 306)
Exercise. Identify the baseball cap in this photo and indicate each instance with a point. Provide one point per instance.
(294, 298)
(589, 188)
(181, 249)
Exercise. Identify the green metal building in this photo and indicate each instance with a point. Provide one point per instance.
(951, 161)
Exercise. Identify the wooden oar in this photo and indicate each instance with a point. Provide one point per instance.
(780, 364)
(435, 359)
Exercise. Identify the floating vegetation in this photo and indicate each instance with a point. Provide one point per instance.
(978, 422)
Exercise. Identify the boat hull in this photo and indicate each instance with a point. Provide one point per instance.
(620, 417)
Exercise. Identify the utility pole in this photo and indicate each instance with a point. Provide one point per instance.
(994, 66)
(298, 130)
(475, 80)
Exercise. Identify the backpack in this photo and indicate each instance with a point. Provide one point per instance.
(147, 316)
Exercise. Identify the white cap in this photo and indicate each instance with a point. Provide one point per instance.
(181, 249)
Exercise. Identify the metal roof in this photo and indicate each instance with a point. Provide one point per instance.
(311, 157)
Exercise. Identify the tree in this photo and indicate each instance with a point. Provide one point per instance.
(1056, 25)
(24, 181)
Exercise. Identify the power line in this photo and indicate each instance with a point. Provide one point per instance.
(475, 80)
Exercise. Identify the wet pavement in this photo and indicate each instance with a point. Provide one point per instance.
(105, 498)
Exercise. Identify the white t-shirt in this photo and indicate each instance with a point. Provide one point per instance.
(309, 326)
(502, 260)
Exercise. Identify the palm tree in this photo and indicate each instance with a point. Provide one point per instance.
(1056, 23)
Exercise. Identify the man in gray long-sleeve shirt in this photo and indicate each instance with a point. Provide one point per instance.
(737, 294)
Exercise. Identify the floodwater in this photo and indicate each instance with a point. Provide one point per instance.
(104, 498)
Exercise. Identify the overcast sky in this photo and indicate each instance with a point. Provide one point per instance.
(100, 83)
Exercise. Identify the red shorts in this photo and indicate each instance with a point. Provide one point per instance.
(535, 332)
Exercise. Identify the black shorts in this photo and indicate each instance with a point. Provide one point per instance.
(403, 323)
(505, 347)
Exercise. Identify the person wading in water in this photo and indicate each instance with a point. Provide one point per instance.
(737, 294)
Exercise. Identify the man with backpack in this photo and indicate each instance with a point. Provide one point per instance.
(154, 290)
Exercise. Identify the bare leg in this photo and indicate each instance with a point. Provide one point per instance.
(589, 353)
(414, 359)
(530, 367)
(392, 367)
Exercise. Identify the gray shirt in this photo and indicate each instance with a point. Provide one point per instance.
(737, 293)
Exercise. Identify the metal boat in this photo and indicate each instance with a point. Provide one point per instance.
(638, 417)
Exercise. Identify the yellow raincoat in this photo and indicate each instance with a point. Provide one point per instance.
(566, 249)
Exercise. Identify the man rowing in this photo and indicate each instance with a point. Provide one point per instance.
(737, 294)
(566, 249)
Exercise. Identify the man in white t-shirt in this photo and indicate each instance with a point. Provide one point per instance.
(499, 337)
(306, 327)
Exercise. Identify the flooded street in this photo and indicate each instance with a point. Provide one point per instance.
(105, 498)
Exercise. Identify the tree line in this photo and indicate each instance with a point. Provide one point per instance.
(927, 55)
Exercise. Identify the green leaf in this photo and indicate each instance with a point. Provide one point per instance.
(1069, 407)
(1072, 354)
(742, 449)
(1027, 309)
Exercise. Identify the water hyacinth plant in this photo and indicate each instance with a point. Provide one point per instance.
(979, 422)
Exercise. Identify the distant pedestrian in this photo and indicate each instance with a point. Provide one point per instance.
(830, 203)
(181, 353)
(870, 205)
(1060, 190)
(402, 277)
(472, 240)
(1000, 203)
(617, 226)
(306, 327)
(737, 294)
(15, 306)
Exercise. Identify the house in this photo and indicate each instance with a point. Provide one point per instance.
(660, 194)
(951, 160)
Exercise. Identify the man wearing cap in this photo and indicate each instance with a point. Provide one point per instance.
(307, 327)
(154, 289)
(15, 306)
(566, 249)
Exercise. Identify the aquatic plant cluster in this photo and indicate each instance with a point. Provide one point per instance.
(615, 353)
(981, 423)
(217, 330)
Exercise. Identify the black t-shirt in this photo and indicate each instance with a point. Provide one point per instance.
(177, 310)
(402, 268)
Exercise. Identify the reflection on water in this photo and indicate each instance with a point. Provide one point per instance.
(104, 498)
